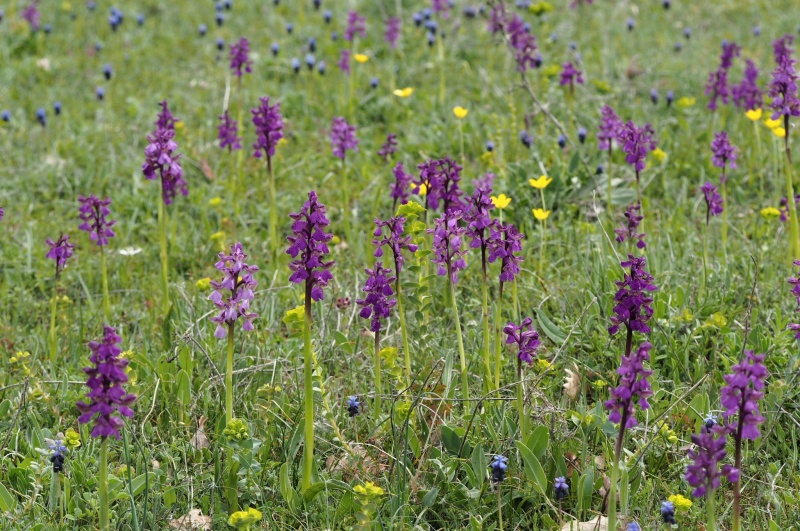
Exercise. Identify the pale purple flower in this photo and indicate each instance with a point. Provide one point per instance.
(705, 473)
(479, 221)
(714, 203)
(228, 133)
(505, 243)
(343, 137)
(610, 125)
(162, 161)
(747, 95)
(724, 153)
(447, 245)
(60, 251)
(717, 84)
(344, 61)
(309, 241)
(106, 399)
(795, 283)
(633, 388)
(378, 303)
(93, 212)
(744, 388)
(401, 186)
(269, 127)
(629, 228)
(395, 240)
(570, 76)
(165, 119)
(388, 148)
(32, 15)
(525, 337)
(233, 294)
(637, 142)
(355, 26)
(240, 62)
(441, 180)
(783, 87)
(392, 31)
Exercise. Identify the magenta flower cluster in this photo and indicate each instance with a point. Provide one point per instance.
(724, 153)
(106, 399)
(630, 226)
(240, 61)
(162, 161)
(525, 337)
(309, 242)
(60, 251)
(392, 33)
(747, 94)
(441, 179)
(633, 388)
(717, 84)
(395, 240)
(233, 294)
(714, 202)
(447, 244)
(705, 473)
(401, 186)
(632, 302)
(344, 61)
(505, 243)
(356, 25)
(93, 213)
(518, 36)
(570, 76)
(610, 125)
(637, 142)
(388, 148)
(228, 132)
(479, 220)
(165, 119)
(378, 303)
(783, 87)
(744, 388)
(343, 137)
(269, 127)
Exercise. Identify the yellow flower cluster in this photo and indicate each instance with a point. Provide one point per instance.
(236, 430)
(244, 519)
(368, 490)
(680, 502)
(501, 201)
(774, 125)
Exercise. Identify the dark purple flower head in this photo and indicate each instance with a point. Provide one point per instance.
(525, 337)
(668, 508)
(499, 466)
(388, 148)
(378, 303)
(747, 95)
(240, 62)
(632, 303)
(637, 143)
(522, 43)
(628, 229)
(343, 137)
(32, 15)
(717, 84)
(269, 127)
(162, 161)
(505, 242)
(165, 119)
(440, 179)
(60, 251)
(392, 31)
(355, 25)
(783, 87)
(233, 294)
(705, 474)
(724, 153)
(561, 488)
(485, 181)
(744, 388)
(106, 399)
(93, 212)
(633, 388)
(610, 125)
(309, 241)
(478, 218)
(344, 61)
(714, 205)
(395, 240)
(401, 185)
(570, 75)
(447, 244)
(228, 132)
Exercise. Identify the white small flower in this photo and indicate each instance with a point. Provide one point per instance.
(130, 251)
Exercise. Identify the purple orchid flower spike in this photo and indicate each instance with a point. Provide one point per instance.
(165, 119)
(448, 245)
(268, 122)
(60, 251)
(479, 222)
(233, 294)
(388, 148)
(378, 303)
(228, 133)
(717, 85)
(747, 94)
(630, 226)
(705, 473)
(240, 61)
(439, 181)
(162, 161)
(505, 243)
(401, 186)
(392, 34)
(632, 303)
(356, 25)
(795, 283)
(93, 213)
(395, 240)
(308, 248)
(724, 153)
(714, 203)
(610, 125)
(343, 137)
(783, 89)
(525, 337)
(570, 76)
(633, 388)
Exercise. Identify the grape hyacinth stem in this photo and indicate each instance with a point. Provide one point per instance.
(308, 369)
(377, 375)
(229, 378)
(499, 507)
(162, 222)
(461, 354)
(104, 272)
(102, 485)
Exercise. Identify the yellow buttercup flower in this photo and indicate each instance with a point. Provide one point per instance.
(541, 214)
(772, 124)
(754, 114)
(215, 201)
(770, 213)
(360, 57)
(686, 102)
(780, 132)
(659, 154)
(203, 284)
(460, 112)
(680, 502)
(501, 201)
(404, 93)
(244, 519)
(540, 183)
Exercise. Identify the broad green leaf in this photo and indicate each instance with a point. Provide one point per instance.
(451, 440)
(549, 328)
(479, 465)
(7, 501)
(533, 469)
(430, 497)
(538, 440)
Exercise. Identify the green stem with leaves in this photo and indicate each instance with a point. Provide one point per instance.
(229, 378)
(273, 210)
(102, 485)
(377, 375)
(608, 191)
(134, 514)
(523, 420)
(487, 364)
(52, 339)
(711, 512)
(308, 393)
(724, 186)
(461, 354)
(403, 330)
(104, 272)
(162, 223)
(498, 330)
(794, 245)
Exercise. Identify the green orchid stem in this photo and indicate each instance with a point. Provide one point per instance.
(487, 364)
(461, 354)
(461, 139)
(403, 329)
(759, 161)
(523, 421)
(273, 210)
(134, 515)
(346, 206)
(711, 516)
(608, 192)
(52, 339)
(737, 486)
(238, 176)
(162, 222)
(705, 260)
(612, 493)
(308, 373)
(725, 217)
(499, 507)
(794, 246)
(104, 272)
(377, 376)
(102, 486)
(442, 84)
(229, 378)
(498, 330)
